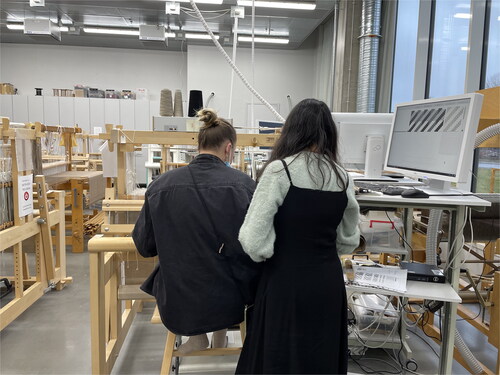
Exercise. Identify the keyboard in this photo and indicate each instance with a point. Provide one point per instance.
(383, 188)
(369, 185)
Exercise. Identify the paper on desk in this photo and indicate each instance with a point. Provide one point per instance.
(390, 278)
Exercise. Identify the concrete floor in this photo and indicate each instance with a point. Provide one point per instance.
(53, 337)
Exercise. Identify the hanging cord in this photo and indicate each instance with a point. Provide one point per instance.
(235, 68)
(235, 46)
(252, 112)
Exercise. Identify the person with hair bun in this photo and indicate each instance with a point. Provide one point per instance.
(190, 220)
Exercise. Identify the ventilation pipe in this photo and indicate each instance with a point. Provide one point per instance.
(368, 55)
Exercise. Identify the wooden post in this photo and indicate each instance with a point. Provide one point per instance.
(167, 354)
(97, 313)
(77, 215)
(18, 270)
(45, 227)
(60, 236)
(122, 171)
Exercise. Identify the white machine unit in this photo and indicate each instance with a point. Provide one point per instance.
(151, 34)
(41, 28)
(181, 124)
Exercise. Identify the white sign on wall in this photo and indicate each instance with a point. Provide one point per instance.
(25, 195)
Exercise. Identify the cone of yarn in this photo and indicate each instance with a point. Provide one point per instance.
(166, 108)
(195, 102)
(178, 110)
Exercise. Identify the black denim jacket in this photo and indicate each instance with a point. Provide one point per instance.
(195, 289)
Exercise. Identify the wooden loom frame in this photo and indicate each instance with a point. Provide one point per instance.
(50, 272)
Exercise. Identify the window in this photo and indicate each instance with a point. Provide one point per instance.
(492, 74)
(405, 52)
(449, 47)
(486, 175)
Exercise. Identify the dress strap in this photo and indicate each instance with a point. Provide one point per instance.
(287, 171)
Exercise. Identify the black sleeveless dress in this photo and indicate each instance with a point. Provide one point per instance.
(299, 321)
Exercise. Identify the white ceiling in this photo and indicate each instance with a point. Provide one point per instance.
(298, 24)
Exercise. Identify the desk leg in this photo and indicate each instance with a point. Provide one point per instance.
(77, 216)
(450, 309)
(408, 228)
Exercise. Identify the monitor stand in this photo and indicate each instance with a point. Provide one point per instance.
(438, 187)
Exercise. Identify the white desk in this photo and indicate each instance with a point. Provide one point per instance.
(456, 206)
(414, 289)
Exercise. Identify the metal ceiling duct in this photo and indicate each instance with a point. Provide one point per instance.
(368, 55)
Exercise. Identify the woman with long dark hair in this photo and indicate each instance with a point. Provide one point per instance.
(302, 215)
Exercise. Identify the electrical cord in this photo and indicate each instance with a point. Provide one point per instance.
(231, 63)
(459, 250)
(399, 234)
(425, 341)
(369, 370)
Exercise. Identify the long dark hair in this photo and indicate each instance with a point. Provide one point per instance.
(310, 127)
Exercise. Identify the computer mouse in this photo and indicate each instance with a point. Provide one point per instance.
(414, 193)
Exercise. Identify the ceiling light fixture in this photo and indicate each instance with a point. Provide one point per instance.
(462, 15)
(217, 2)
(263, 40)
(276, 4)
(20, 26)
(15, 26)
(199, 36)
(113, 31)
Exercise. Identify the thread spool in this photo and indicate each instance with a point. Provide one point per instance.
(166, 108)
(178, 110)
(195, 102)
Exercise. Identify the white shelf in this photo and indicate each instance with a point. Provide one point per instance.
(415, 289)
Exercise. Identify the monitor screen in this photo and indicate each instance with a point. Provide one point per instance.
(353, 131)
(434, 137)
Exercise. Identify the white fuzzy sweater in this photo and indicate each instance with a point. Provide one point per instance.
(257, 233)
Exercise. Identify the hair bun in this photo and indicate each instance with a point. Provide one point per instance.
(209, 117)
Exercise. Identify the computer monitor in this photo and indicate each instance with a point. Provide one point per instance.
(434, 138)
(362, 140)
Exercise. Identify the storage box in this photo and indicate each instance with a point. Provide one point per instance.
(7, 88)
(95, 93)
(381, 233)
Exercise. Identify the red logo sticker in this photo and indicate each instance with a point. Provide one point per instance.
(26, 196)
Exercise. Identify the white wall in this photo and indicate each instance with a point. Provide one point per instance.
(27, 66)
(278, 73)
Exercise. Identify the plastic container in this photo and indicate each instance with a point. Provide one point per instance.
(381, 232)
(112, 94)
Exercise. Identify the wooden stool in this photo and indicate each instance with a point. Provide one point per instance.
(170, 353)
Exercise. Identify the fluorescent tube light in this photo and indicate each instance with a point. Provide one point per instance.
(281, 4)
(15, 26)
(263, 40)
(115, 31)
(199, 36)
(20, 26)
(169, 35)
(464, 48)
(218, 2)
(462, 15)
